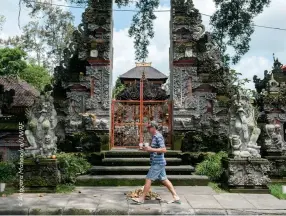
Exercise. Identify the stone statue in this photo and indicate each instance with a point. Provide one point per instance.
(243, 132)
(40, 132)
(274, 140)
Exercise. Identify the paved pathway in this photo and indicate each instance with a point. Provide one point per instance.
(112, 201)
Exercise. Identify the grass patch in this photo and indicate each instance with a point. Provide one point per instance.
(9, 190)
(65, 188)
(216, 187)
(276, 190)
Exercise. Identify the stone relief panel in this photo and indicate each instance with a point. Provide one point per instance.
(183, 77)
(101, 75)
(76, 106)
(245, 172)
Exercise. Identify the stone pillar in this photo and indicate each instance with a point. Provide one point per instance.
(192, 88)
(100, 56)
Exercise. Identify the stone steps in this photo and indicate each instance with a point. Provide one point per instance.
(128, 167)
(137, 161)
(138, 170)
(135, 153)
(138, 180)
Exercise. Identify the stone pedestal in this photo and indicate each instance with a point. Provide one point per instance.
(247, 175)
(41, 175)
(277, 168)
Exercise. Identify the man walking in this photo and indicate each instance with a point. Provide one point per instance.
(157, 170)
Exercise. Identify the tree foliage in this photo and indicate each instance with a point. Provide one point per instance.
(141, 27)
(119, 87)
(233, 24)
(47, 35)
(12, 61)
(36, 75)
(2, 21)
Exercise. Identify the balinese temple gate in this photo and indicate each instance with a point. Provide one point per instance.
(84, 83)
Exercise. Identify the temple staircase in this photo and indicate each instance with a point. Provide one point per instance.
(128, 167)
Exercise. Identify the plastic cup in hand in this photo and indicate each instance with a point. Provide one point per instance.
(141, 145)
(146, 144)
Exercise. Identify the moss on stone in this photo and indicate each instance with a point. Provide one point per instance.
(138, 182)
(74, 211)
(45, 211)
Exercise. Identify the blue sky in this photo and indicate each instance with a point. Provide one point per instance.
(264, 42)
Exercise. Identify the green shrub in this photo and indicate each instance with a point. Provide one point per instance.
(212, 166)
(71, 165)
(7, 172)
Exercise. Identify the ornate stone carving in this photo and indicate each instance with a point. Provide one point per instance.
(212, 52)
(277, 166)
(243, 131)
(182, 85)
(248, 172)
(193, 20)
(74, 121)
(274, 141)
(101, 77)
(40, 132)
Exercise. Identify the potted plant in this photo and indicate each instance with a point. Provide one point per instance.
(7, 174)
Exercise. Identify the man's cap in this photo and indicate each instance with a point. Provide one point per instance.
(152, 124)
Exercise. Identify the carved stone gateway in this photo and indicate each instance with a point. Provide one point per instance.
(85, 75)
(194, 59)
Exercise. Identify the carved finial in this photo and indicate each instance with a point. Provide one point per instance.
(143, 64)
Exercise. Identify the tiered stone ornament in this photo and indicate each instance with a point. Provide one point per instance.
(272, 103)
(245, 168)
(40, 132)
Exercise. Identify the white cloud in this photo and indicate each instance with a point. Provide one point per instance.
(124, 58)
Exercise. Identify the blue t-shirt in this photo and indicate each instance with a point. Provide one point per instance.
(157, 142)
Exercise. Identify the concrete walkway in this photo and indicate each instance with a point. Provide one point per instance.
(112, 201)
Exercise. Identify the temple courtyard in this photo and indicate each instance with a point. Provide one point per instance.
(196, 200)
